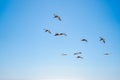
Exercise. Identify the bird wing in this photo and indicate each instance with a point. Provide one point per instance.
(64, 34)
(101, 38)
(80, 52)
(49, 31)
(59, 18)
(103, 41)
(84, 40)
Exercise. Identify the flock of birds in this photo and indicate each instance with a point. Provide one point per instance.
(56, 34)
(77, 54)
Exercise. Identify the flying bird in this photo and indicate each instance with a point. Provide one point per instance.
(102, 39)
(64, 54)
(85, 40)
(46, 30)
(77, 53)
(57, 17)
(60, 34)
(107, 54)
(63, 34)
(79, 57)
(56, 34)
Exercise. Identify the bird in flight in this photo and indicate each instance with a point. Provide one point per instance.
(77, 53)
(85, 40)
(60, 34)
(56, 34)
(63, 34)
(46, 30)
(102, 39)
(57, 17)
(64, 54)
(79, 57)
(107, 54)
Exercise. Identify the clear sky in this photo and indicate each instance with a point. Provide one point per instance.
(28, 53)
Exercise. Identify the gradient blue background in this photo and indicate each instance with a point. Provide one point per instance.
(28, 53)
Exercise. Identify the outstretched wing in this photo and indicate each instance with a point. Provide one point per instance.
(57, 17)
(84, 40)
(63, 34)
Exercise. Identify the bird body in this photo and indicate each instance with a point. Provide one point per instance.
(64, 54)
(57, 17)
(85, 40)
(46, 30)
(79, 57)
(102, 39)
(56, 34)
(107, 54)
(63, 34)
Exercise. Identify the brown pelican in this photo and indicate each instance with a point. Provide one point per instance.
(102, 39)
(46, 30)
(84, 40)
(57, 17)
(79, 57)
(77, 53)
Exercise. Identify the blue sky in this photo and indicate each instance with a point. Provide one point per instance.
(28, 53)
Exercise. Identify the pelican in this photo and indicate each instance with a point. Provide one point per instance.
(46, 30)
(57, 17)
(102, 39)
(84, 40)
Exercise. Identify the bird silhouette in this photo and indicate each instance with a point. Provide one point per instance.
(77, 53)
(102, 39)
(56, 34)
(46, 30)
(85, 40)
(64, 54)
(60, 34)
(63, 34)
(57, 17)
(107, 54)
(79, 57)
